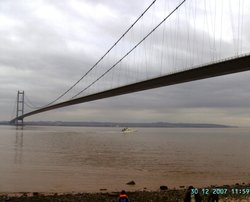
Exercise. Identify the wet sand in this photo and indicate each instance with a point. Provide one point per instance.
(171, 195)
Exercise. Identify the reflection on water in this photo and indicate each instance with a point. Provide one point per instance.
(54, 159)
(18, 147)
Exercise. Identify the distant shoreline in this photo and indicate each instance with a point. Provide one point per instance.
(122, 124)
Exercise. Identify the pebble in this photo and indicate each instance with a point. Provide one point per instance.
(163, 188)
(131, 183)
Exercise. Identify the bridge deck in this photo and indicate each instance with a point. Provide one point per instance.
(229, 66)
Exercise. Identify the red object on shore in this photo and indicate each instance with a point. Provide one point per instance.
(123, 197)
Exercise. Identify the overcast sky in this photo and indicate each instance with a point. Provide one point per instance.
(47, 45)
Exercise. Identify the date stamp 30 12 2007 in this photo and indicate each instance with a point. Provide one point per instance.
(220, 191)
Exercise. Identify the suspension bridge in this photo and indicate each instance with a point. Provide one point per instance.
(200, 57)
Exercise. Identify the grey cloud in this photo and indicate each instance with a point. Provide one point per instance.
(44, 57)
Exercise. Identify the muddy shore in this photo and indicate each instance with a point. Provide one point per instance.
(170, 195)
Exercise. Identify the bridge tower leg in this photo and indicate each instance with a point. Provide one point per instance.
(20, 108)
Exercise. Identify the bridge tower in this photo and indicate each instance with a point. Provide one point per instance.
(20, 108)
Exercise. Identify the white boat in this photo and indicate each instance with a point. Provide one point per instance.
(128, 130)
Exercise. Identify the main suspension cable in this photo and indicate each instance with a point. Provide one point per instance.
(129, 51)
(103, 55)
(29, 104)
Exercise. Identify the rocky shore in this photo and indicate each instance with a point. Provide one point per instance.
(168, 195)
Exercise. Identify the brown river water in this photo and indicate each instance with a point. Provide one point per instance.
(84, 159)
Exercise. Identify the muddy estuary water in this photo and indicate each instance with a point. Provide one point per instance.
(84, 159)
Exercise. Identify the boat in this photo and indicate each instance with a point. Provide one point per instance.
(128, 130)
